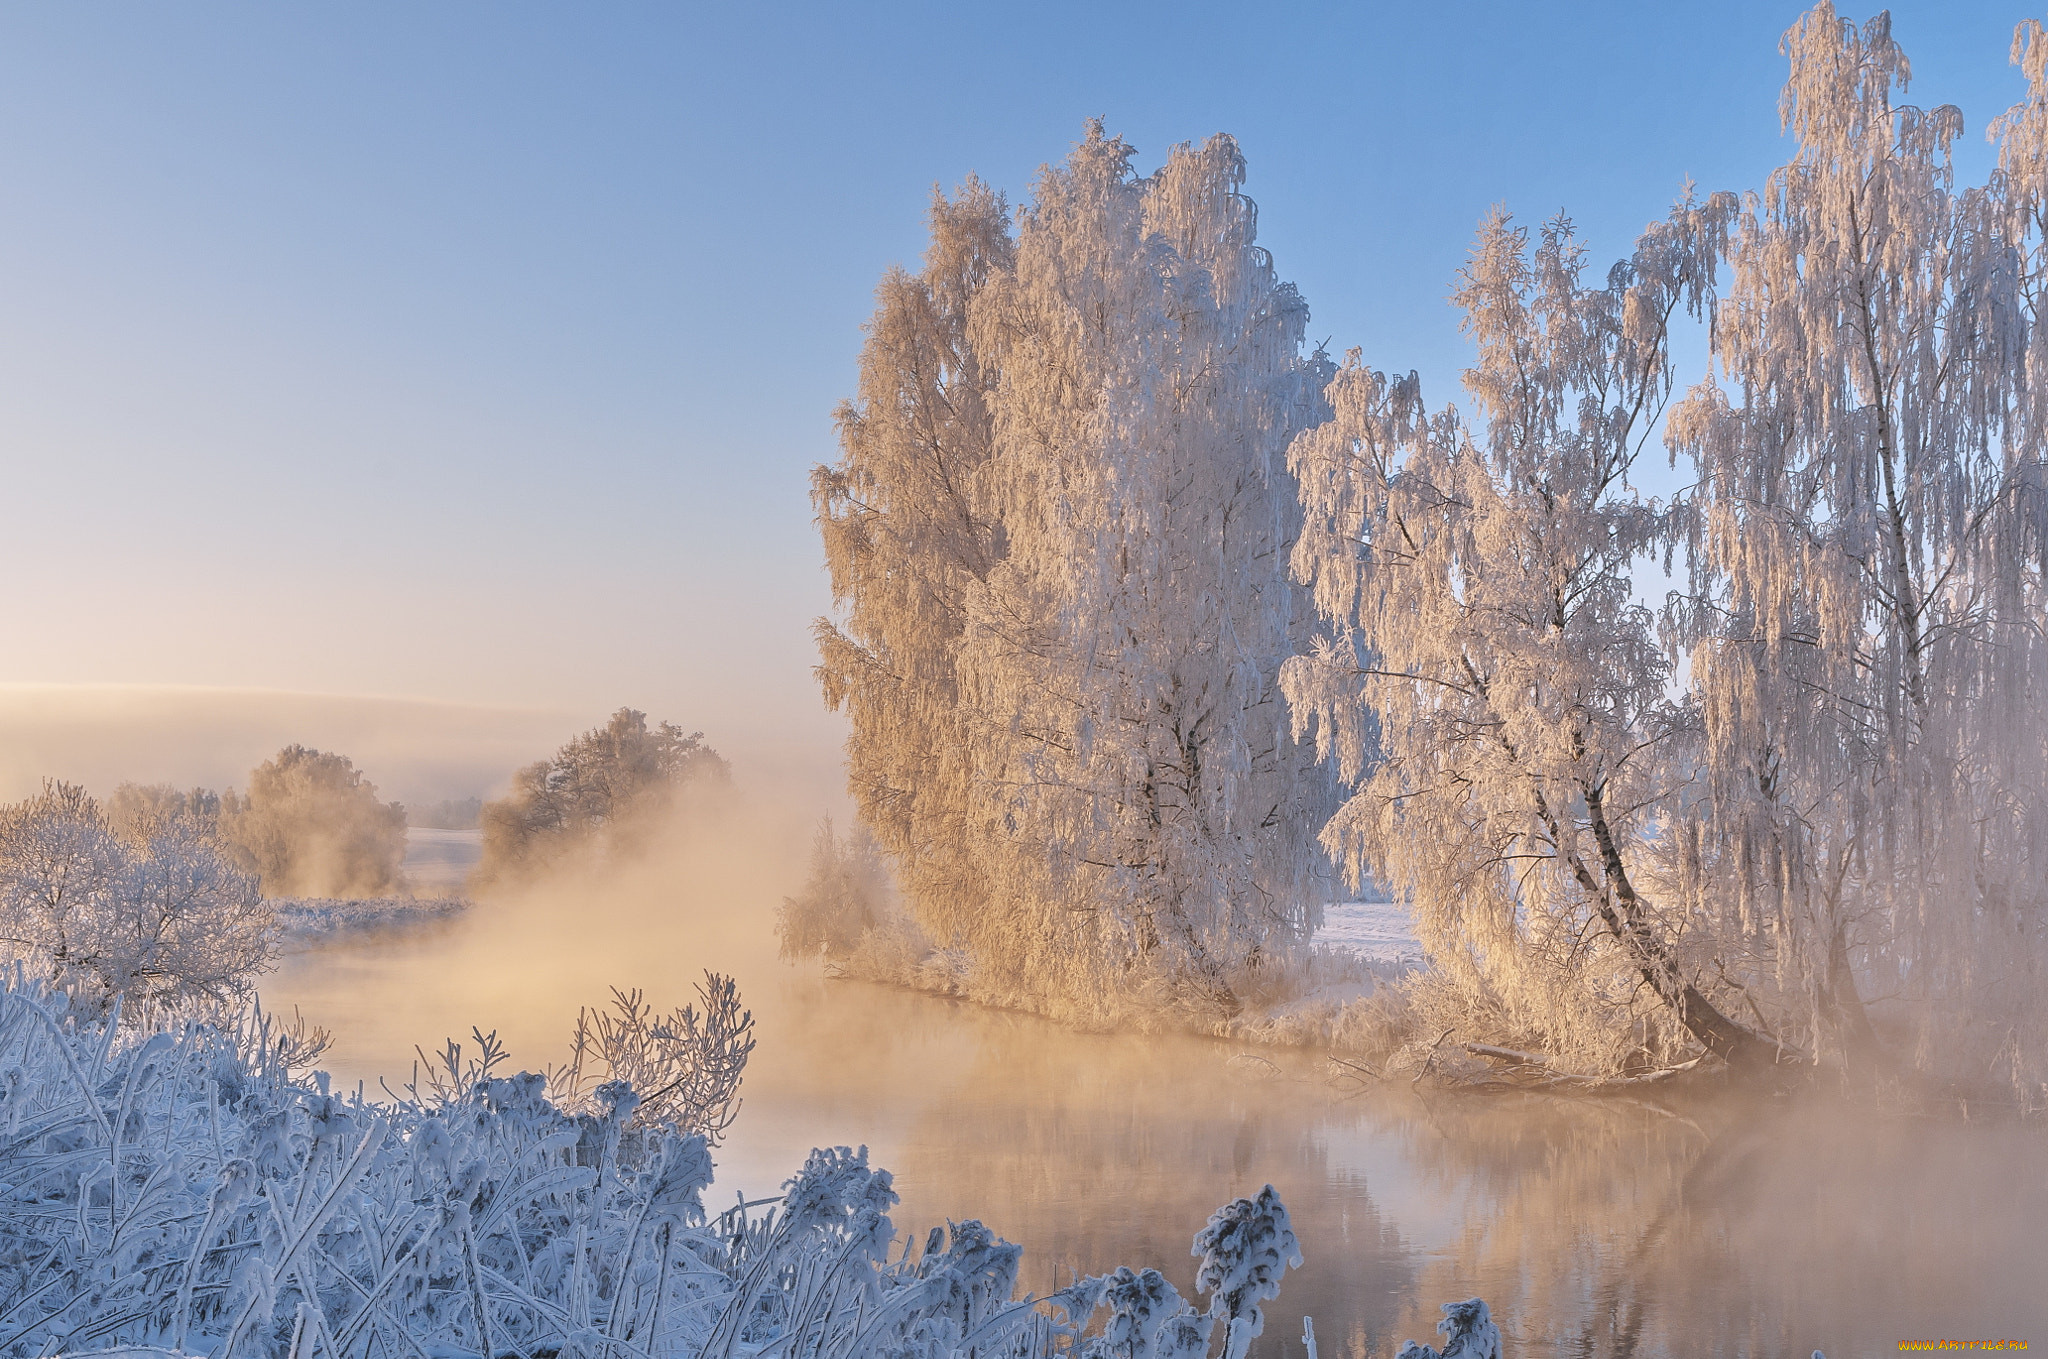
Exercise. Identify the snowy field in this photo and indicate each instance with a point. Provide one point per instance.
(1377, 931)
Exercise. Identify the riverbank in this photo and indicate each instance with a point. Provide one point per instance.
(307, 922)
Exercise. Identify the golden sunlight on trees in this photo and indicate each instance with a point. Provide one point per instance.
(594, 793)
(312, 826)
(1798, 812)
(1058, 540)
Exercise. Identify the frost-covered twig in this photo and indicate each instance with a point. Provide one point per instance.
(1468, 1331)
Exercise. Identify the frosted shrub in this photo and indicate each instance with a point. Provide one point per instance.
(181, 1186)
(305, 921)
(1245, 1249)
(1148, 1319)
(158, 913)
(848, 914)
(684, 1067)
(1468, 1332)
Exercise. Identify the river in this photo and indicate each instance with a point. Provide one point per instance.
(1592, 1227)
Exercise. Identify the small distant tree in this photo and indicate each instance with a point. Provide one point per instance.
(311, 825)
(155, 908)
(593, 790)
(847, 894)
(136, 810)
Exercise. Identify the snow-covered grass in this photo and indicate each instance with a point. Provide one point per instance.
(180, 1186)
(305, 921)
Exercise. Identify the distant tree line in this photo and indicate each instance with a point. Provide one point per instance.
(448, 814)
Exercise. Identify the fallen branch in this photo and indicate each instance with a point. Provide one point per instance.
(1532, 1071)
(1508, 1055)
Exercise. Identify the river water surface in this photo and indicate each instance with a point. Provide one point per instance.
(1591, 1227)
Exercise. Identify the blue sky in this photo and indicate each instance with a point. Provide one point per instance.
(479, 352)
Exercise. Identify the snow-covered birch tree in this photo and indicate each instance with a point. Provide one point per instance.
(1477, 583)
(1059, 536)
(908, 530)
(1123, 655)
(1865, 608)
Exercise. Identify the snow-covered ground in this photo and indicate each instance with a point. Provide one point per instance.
(1377, 931)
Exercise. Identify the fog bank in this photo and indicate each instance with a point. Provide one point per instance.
(415, 750)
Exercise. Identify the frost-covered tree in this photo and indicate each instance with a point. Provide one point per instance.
(60, 864)
(157, 909)
(311, 825)
(138, 810)
(1059, 537)
(847, 895)
(598, 787)
(1478, 583)
(1124, 654)
(187, 920)
(1865, 607)
(909, 529)
(1831, 788)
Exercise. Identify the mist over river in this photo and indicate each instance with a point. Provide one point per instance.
(1606, 1227)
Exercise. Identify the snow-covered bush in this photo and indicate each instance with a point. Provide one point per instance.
(1245, 1249)
(848, 914)
(183, 1187)
(1468, 1332)
(157, 912)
